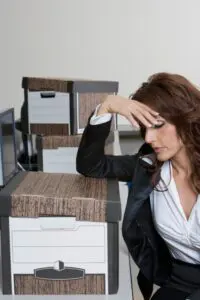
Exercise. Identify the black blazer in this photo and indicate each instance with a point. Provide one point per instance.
(146, 247)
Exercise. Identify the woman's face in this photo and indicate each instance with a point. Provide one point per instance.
(164, 140)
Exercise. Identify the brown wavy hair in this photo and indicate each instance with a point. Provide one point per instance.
(178, 101)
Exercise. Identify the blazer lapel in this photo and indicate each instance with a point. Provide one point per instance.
(142, 186)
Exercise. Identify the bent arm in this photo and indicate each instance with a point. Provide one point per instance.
(91, 160)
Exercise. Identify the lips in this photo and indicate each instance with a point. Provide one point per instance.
(159, 149)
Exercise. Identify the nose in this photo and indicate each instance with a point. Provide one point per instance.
(150, 135)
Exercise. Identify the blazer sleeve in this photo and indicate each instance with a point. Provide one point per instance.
(91, 160)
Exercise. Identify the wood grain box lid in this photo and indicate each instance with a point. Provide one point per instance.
(37, 194)
(54, 142)
(69, 85)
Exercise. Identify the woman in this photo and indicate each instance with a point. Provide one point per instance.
(161, 223)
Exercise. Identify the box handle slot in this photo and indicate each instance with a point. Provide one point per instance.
(47, 95)
(59, 272)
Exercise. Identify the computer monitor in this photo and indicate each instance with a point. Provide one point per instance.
(8, 155)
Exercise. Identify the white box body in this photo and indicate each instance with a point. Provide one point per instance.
(61, 160)
(41, 242)
(50, 110)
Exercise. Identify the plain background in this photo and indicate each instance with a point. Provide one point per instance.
(123, 40)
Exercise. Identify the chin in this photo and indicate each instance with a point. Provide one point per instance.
(163, 157)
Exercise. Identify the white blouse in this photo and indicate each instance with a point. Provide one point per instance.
(182, 236)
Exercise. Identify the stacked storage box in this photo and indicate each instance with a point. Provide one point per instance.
(57, 111)
(61, 106)
(60, 229)
(60, 234)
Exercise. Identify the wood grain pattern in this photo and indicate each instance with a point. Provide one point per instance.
(50, 129)
(53, 142)
(29, 285)
(68, 85)
(56, 141)
(49, 194)
(47, 84)
(87, 103)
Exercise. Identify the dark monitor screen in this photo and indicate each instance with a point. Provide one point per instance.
(8, 145)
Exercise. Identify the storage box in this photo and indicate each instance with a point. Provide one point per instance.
(8, 154)
(57, 154)
(59, 234)
(61, 106)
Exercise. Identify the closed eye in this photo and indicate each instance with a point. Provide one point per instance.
(143, 128)
(158, 125)
(161, 124)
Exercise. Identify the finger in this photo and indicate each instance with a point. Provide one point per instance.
(148, 116)
(133, 121)
(149, 109)
(143, 120)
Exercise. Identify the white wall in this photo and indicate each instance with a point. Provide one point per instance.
(124, 40)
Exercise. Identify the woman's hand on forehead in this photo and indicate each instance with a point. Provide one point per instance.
(137, 113)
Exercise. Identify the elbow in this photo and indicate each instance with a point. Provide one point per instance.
(89, 166)
(89, 170)
(81, 166)
(81, 171)
(79, 162)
